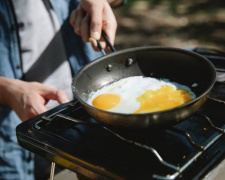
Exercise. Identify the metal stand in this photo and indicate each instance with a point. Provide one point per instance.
(52, 171)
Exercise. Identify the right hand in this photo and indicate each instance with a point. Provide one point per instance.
(90, 18)
(28, 99)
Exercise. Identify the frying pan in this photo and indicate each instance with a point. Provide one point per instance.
(177, 65)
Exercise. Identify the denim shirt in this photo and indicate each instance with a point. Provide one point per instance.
(15, 162)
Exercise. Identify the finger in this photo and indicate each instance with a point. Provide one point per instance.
(49, 93)
(84, 27)
(109, 25)
(61, 97)
(96, 22)
(72, 18)
(33, 109)
(36, 110)
(95, 45)
(78, 19)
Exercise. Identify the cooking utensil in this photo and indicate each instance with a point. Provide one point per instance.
(177, 65)
(113, 49)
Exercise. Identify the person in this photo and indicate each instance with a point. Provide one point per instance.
(43, 43)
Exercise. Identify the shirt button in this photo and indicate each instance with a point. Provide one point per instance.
(18, 66)
(17, 26)
(13, 27)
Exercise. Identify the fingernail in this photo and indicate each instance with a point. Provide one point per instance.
(92, 39)
(96, 35)
(65, 100)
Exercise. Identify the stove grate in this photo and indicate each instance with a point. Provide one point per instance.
(176, 169)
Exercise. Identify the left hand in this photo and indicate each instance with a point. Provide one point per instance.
(91, 18)
(28, 99)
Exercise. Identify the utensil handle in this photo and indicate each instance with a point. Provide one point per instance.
(52, 171)
(113, 49)
(100, 47)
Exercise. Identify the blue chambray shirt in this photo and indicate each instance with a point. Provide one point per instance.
(16, 162)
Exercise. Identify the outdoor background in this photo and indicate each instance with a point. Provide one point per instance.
(174, 23)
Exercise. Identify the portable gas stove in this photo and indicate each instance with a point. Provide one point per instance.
(192, 149)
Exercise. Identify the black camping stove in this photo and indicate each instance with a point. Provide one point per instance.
(192, 149)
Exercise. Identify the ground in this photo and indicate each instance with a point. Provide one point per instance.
(199, 23)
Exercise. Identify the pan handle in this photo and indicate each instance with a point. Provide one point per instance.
(108, 42)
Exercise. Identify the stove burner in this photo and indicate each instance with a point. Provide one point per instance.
(176, 169)
(68, 136)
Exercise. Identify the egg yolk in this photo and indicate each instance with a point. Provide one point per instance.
(164, 98)
(106, 101)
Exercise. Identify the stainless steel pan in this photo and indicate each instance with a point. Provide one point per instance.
(175, 64)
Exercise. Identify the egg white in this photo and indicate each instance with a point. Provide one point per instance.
(129, 89)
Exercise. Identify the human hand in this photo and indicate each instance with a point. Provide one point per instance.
(28, 99)
(91, 18)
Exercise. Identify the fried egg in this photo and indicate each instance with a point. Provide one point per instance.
(138, 94)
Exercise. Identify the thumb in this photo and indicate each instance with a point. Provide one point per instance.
(61, 97)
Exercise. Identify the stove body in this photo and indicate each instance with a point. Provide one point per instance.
(192, 149)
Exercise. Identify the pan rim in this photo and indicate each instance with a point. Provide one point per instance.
(180, 50)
